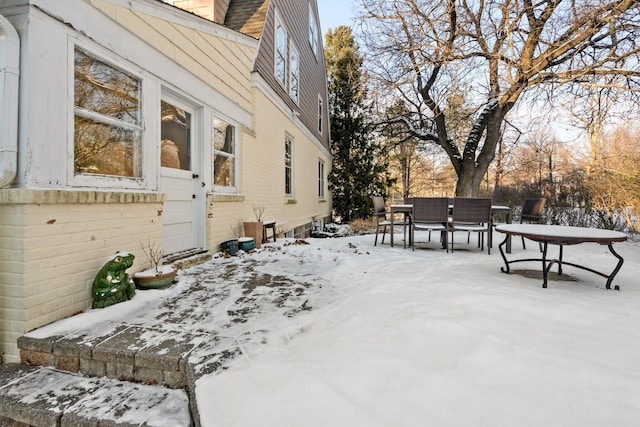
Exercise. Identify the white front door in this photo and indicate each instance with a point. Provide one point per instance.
(179, 178)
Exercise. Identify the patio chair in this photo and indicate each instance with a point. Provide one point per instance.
(472, 215)
(430, 213)
(532, 213)
(380, 214)
(409, 201)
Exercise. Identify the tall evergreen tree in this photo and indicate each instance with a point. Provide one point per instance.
(359, 166)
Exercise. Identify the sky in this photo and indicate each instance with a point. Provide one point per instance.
(389, 337)
(334, 13)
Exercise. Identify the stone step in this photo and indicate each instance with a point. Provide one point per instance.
(187, 258)
(44, 396)
(127, 353)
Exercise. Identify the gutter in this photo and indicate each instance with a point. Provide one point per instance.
(9, 72)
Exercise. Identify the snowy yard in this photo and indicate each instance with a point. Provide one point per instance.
(339, 332)
(402, 338)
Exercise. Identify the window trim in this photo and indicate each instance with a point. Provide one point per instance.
(193, 109)
(146, 94)
(288, 142)
(292, 49)
(278, 23)
(321, 180)
(320, 114)
(221, 189)
(314, 31)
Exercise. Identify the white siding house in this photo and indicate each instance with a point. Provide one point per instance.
(126, 122)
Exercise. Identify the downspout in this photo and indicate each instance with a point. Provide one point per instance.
(9, 71)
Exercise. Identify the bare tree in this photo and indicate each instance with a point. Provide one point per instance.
(613, 182)
(402, 150)
(539, 160)
(501, 51)
(592, 107)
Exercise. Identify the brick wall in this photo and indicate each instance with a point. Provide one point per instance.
(213, 10)
(52, 245)
(204, 8)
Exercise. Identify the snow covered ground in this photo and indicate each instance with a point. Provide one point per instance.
(429, 338)
(339, 332)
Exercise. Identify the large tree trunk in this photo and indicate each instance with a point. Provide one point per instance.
(473, 168)
(465, 186)
(469, 181)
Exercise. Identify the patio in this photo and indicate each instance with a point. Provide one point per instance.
(388, 336)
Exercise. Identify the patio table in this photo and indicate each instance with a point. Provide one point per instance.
(404, 209)
(561, 235)
(501, 210)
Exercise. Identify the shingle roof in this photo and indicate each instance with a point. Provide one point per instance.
(247, 16)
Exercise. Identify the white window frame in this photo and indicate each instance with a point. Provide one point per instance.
(314, 32)
(294, 73)
(320, 114)
(194, 109)
(277, 54)
(288, 166)
(148, 96)
(232, 189)
(321, 180)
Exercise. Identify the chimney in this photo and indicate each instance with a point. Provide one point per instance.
(213, 10)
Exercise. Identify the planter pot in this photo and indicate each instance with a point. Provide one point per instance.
(254, 229)
(150, 279)
(246, 244)
(230, 246)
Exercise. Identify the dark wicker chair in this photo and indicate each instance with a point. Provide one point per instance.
(531, 212)
(430, 213)
(472, 215)
(380, 214)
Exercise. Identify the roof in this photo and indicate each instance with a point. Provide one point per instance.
(247, 16)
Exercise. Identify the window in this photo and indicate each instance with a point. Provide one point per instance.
(107, 119)
(224, 155)
(281, 53)
(320, 179)
(288, 166)
(175, 136)
(320, 114)
(313, 31)
(294, 74)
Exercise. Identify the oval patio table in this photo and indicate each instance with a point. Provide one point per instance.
(561, 235)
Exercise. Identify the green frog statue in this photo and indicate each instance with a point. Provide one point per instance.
(112, 283)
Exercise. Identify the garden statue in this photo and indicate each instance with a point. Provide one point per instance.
(112, 284)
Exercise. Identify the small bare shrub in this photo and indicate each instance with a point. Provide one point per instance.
(154, 253)
(362, 226)
(258, 211)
